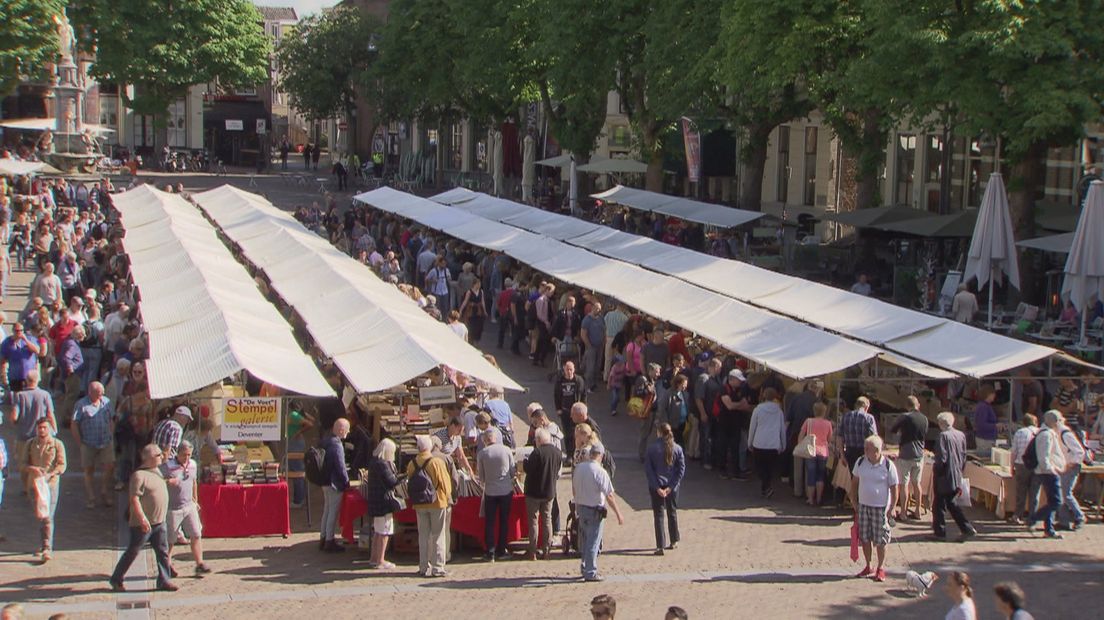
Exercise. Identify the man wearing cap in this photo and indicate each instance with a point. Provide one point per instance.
(733, 409)
(93, 427)
(168, 432)
(593, 491)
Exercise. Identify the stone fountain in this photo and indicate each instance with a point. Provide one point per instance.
(71, 149)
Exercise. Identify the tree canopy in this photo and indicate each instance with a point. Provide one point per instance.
(162, 49)
(30, 39)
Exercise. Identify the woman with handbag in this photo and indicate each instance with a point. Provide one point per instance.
(382, 503)
(812, 445)
(642, 405)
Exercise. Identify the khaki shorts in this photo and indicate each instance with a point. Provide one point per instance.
(186, 519)
(909, 470)
(91, 457)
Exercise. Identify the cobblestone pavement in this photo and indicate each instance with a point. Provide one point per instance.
(740, 556)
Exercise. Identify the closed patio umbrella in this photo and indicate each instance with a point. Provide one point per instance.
(993, 247)
(498, 164)
(1085, 263)
(528, 169)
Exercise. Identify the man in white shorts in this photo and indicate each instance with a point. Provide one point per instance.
(181, 474)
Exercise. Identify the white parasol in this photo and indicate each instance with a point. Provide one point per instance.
(1085, 263)
(993, 247)
(498, 163)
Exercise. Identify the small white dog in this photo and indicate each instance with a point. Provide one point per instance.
(920, 583)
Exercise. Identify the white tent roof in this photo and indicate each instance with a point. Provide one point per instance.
(788, 346)
(682, 208)
(868, 320)
(42, 124)
(617, 165)
(14, 167)
(206, 318)
(377, 336)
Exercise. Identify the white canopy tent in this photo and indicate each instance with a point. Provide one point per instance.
(15, 168)
(206, 318)
(682, 208)
(377, 336)
(780, 343)
(42, 124)
(1059, 244)
(862, 318)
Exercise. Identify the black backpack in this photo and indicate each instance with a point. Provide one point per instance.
(314, 465)
(419, 487)
(1031, 454)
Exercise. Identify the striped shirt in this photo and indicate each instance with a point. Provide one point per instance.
(855, 427)
(168, 434)
(1020, 441)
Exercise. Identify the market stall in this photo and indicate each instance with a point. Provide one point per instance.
(466, 519)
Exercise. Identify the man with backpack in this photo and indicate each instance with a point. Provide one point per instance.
(335, 479)
(429, 489)
(1048, 456)
(1027, 487)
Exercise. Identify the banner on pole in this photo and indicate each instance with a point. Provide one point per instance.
(250, 419)
(691, 139)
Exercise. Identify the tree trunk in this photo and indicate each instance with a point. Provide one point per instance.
(351, 125)
(653, 178)
(871, 156)
(1025, 185)
(755, 163)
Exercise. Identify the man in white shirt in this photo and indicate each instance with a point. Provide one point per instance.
(114, 325)
(593, 491)
(861, 286)
(964, 306)
(1052, 462)
(873, 493)
(1069, 513)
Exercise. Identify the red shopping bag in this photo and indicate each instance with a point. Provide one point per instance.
(855, 541)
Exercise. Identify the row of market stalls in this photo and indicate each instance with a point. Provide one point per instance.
(216, 315)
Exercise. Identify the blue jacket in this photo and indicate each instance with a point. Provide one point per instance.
(334, 463)
(660, 474)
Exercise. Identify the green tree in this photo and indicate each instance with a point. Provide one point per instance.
(761, 81)
(326, 60)
(163, 48)
(29, 40)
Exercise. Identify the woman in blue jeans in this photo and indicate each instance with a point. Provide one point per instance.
(297, 425)
(816, 468)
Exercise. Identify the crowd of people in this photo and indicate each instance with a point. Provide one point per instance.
(75, 359)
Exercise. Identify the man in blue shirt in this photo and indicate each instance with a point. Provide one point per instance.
(500, 411)
(18, 356)
(93, 427)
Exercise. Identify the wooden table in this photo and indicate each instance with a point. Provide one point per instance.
(994, 481)
(1096, 470)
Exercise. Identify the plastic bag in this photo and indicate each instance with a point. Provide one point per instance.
(42, 498)
(963, 498)
(855, 541)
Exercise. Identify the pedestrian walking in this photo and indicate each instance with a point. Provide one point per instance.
(41, 470)
(642, 405)
(665, 466)
(149, 507)
(593, 491)
(1027, 485)
(181, 475)
(961, 593)
(93, 427)
(1010, 601)
(1051, 456)
(542, 469)
(767, 438)
(950, 460)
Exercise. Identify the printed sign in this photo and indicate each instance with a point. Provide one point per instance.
(692, 142)
(250, 419)
(261, 127)
(234, 125)
(437, 395)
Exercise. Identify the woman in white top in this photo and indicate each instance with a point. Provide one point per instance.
(767, 438)
(959, 590)
(456, 326)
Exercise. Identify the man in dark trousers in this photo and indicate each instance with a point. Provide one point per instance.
(568, 390)
(341, 173)
(950, 460)
(307, 155)
(542, 469)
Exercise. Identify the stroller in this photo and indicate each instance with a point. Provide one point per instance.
(566, 351)
(570, 541)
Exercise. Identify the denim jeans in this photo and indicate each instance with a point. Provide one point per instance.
(1070, 511)
(615, 399)
(590, 539)
(158, 538)
(1052, 487)
(331, 506)
(496, 507)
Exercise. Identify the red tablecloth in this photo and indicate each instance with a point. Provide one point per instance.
(236, 511)
(465, 516)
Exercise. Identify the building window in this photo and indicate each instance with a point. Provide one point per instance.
(810, 166)
(1061, 174)
(177, 122)
(979, 167)
(620, 137)
(143, 130)
(906, 163)
(783, 189)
